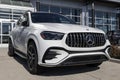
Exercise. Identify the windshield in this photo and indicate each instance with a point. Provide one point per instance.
(50, 18)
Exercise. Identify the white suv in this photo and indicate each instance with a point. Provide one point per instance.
(51, 40)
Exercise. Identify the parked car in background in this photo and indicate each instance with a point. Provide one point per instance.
(114, 36)
(52, 40)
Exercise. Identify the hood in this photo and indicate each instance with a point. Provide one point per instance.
(65, 28)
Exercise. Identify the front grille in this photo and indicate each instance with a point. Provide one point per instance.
(85, 39)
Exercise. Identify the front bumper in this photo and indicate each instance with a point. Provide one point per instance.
(81, 60)
(64, 57)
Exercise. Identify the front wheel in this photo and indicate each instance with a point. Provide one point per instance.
(32, 58)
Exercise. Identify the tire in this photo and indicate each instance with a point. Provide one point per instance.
(32, 58)
(10, 49)
(94, 65)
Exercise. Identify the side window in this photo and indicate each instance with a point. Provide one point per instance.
(23, 20)
(26, 19)
(19, 21)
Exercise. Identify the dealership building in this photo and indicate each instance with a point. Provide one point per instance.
(10, 11)
(102, 14)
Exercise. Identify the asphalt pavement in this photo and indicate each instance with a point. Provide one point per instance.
(16, 69)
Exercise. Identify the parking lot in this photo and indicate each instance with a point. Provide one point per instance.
(16, 69)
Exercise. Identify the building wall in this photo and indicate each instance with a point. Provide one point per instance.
(9, 14)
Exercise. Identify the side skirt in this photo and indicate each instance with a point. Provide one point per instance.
(21, 54)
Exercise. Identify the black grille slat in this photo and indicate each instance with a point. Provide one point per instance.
(70, 39)
(74, 40)
(82, 40)
(77, 36)
(100, 39)
(79, 39)
(96, 40)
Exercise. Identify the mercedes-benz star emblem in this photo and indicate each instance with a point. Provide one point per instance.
(90, 40)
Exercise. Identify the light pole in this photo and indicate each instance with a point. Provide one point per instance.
(93, 14)
(118, 19)
(91, 2)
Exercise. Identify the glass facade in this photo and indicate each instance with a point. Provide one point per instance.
(106, 21)
(8, 17)
(17, 2)
(5, 28)
(0, 34)
(10, 13)
(72, 13)
(44, 8)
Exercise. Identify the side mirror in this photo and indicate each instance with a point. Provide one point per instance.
(24, 23)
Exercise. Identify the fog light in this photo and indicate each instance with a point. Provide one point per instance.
(54, 56)
(51, 55)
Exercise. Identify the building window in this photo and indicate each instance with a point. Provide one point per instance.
(72, 13)
(17, 13)
(44, 8)
(16, 2)
(106, 21)
(10, 13)
(38, 6)
(54, 9)
(76, 15)
(5, 13)
(76, 12)
(65, 11)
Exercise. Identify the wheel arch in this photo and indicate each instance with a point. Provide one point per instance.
(33, 38)
(30, 38)
(11, 38)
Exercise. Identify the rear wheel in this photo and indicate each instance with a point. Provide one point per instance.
(32, 59)
(10, 48)
(94, 65)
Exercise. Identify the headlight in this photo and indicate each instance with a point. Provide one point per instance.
(49, 35)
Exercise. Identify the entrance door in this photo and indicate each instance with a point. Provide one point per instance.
(5, 29)
(0, 34)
